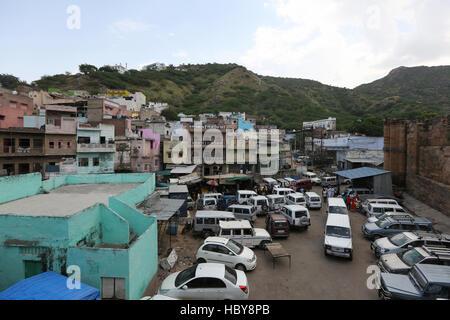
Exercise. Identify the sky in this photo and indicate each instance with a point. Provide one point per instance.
(343, 43)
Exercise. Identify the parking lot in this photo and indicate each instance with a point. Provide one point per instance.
(312, 275)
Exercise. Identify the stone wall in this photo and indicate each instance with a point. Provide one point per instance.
(418, 154)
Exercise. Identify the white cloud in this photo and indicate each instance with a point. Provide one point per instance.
(125, 27)
(347, 42)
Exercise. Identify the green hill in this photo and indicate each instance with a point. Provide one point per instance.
(286, 102)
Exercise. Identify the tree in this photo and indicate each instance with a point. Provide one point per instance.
(107, 69)
(9, 81)
(87, 68)
(170, 114)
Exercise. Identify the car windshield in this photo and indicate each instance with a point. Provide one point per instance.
(383, 216)
(337, 210)
(237, 248)
(299, 200)
(230, 275)
(411, 257)
(382, 223)
(340, 232)
(399, 239)
(280, 224)
(315, 199)
(418, 279)
(261, 202)
(185, 275)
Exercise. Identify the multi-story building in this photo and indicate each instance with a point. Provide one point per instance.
(145, 152)
(99, 109)
(327, 124)
(95, 149)
(13, 107)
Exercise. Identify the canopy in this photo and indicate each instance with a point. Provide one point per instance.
(360, 173)
(49, 286)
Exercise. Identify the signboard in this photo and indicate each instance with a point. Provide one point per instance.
(121, 93)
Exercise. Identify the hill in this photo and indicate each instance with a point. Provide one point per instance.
(286, 102)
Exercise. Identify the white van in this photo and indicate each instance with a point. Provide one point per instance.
(260, 203)
(216, 196)
(282, 191)
(378, 209)
(338, 236)
(275, 201)
(298, 216)
(244, 195)
(244, 212)
(336, 206)
(207, 204)
(208, 221)
(296, 199)
(313, 200)
(375, 201)
(270, 181)
(313, 177)
(283, 183)
(242, 232)
(290, 180)
(328, 181)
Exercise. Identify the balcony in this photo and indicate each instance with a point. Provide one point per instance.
(21, 151)
(95, 147)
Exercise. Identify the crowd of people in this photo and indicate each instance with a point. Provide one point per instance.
(352, 201)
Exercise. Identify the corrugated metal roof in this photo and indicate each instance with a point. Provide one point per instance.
(178, 189)
(359, 173)
(48, 286)
(183, 170)
(164, 209)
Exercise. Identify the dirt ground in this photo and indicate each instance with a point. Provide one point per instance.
(311, 276)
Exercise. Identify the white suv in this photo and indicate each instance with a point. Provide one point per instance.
(242, 232)
(228, 252)
(298, 216)
(313, 200)
(338, 236)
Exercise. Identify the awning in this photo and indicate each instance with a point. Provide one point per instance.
(49, 286)
(190, 179)
(183, 170)
(164, 209)
(360, 173)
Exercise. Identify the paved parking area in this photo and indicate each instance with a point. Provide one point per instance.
(312, 274)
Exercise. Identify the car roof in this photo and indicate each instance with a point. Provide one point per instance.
(246, 192)
(216, 240)
(336, 202)
(289, 179)
(435, 273)
(432, 235)
(244, 206)
(277, 216)
(210, 270)
(338, 220)
(385, 205)
(259, 198)
(376, 200)
(295, 207)
(415, 220)
(312, 194)
(213, 214)
(235, 224)
(296, 195)
(283, 189)
(274, 196)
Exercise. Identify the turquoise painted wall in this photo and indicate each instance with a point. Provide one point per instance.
(106, 163)
(20, 186)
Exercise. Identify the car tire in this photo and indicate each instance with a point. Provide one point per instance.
(263, 244)
(325, 252)
(201, 260)
(241, 267)
(351, 257)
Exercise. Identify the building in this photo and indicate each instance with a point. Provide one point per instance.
(87, 221)
(99, 109)
(417, 153)
(145, 152)
(96, 149)
(327, 124)
(13, 107)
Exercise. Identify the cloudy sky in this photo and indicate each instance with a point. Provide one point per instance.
(338, 42)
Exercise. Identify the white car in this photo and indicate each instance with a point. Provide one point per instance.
(158, 297)
(296, 198)
(338, 236)
(242, 232)
(206, 281)
(313, 200)
(228, 252)
(298, 216)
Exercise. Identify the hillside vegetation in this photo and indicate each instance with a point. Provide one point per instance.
(285, 102)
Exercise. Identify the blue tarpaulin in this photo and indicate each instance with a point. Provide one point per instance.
(49, 286)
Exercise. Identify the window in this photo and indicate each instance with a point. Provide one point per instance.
(210, 247)
(51, 145)
(37, 143)
(69, 144)
(84, 140)
(222, 250)
(96, 162)
(24, 168)
(394, 227)
(210, 220)
(24, 143)
(226, 232)
(83, 162)
(237, 232)
(248, 232)
(60, 144)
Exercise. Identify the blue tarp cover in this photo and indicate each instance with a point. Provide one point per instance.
(48, 286)
(359, 173)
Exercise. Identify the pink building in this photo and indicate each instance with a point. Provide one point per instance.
(13, 107)
(60, 119)
(145, 152)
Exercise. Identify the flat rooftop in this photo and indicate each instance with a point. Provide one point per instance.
(66, 200)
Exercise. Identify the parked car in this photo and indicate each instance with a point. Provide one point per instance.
(366, 203)
(402, 262)
(275, 201)
(283, 183)
(282, 191)
(338, 236)
(242, 232)
(296, 199)
(336, 206)
(389, 214)
(423, 282)
(277, 225)
(228, 252)
(260, 204)
(313, 200)
(207, 204)
(407, 240)
(393, 225)
(244, 195)
(206, 281)
(207, 222)
(305, 184)
(315, 180)
(298, 216)
(377, 209)
(244, 212)
(216, 196)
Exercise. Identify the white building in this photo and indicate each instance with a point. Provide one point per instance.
(328, 124)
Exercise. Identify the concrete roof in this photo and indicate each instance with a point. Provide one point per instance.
(65, 201)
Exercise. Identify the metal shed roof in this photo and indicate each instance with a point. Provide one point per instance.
(359, 173)
(48, 286)
(184, 170)
(178, 189)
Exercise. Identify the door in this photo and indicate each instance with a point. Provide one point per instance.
(113, 289)
(247, 238)
(237, 236)
(33, 268)
(225, 256)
